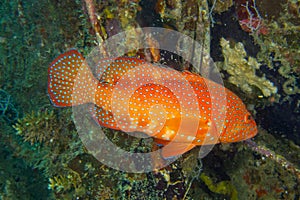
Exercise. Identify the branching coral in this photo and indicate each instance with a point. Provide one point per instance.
(242, 70)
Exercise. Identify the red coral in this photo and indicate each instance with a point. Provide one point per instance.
(261, 192)
(249, 18)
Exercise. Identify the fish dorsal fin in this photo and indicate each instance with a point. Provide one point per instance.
(190, 75)
(110, 70)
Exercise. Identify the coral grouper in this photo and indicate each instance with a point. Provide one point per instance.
(155, 101)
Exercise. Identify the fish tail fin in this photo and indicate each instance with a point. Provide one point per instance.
(70, 81)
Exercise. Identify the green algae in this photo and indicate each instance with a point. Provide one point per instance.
(223, 187)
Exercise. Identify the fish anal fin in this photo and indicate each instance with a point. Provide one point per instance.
(161, 142)
(176, 149)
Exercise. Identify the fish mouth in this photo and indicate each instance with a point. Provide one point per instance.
(250, 131)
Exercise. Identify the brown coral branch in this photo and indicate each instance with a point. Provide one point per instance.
(100, 35)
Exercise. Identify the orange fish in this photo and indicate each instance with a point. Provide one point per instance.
(151, 107)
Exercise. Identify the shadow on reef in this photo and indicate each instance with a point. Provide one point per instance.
(226, 26)
(281, 119)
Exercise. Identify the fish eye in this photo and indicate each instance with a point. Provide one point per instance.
(247, 118)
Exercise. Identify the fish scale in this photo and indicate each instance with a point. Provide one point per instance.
(130, 94)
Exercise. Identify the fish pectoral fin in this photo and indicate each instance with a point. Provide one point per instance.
(176, 149)
(103, 117)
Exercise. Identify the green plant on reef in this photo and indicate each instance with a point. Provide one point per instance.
(38, 128)
(70, 180)
(51, 144)
(223, 187)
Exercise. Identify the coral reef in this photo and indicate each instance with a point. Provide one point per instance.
(44, 149)
(242, 70)
(254, 176)
(54, 148)
(268, 178)
(191, 18)
(281, 43)
(279, 55)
